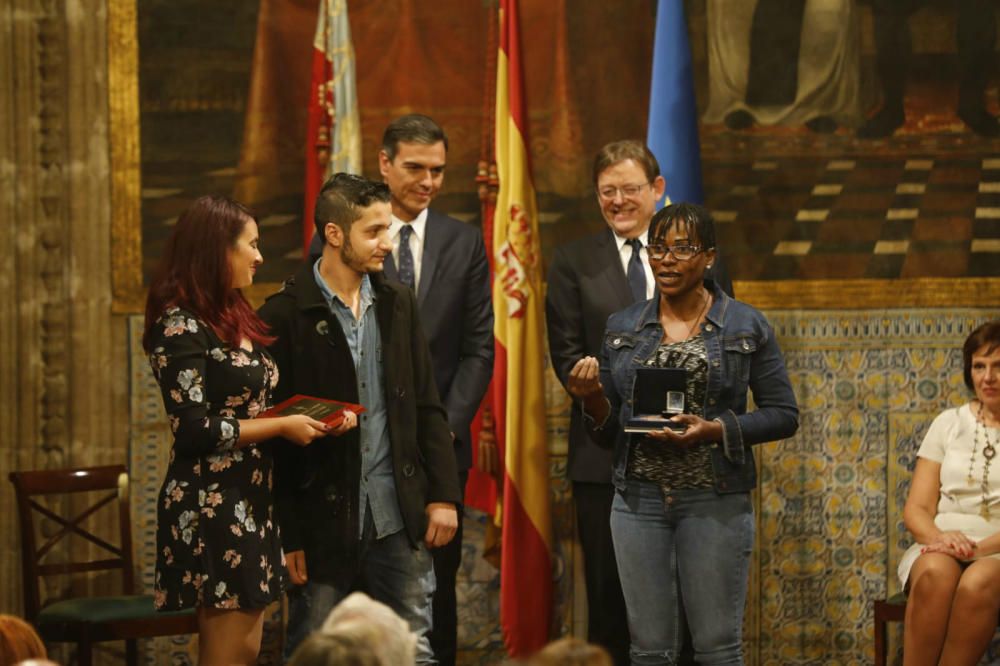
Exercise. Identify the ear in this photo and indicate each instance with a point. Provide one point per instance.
(333, 234)
(383, 163)
(709, 257)
(659, 187)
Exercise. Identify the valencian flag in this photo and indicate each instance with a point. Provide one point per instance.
(518, 381)
(672, 135)
(333, 139)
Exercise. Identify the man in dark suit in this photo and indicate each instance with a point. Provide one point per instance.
(590, 279)
(444, 261)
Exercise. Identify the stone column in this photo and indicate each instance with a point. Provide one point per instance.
(63, 380)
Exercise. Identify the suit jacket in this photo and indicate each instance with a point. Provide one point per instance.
(456, 311)
(586, 285)
(316, 487)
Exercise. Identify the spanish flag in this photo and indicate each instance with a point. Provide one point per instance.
(518, 380)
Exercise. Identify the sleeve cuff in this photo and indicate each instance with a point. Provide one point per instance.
(732, 437)
(591, 422)
(229, 433)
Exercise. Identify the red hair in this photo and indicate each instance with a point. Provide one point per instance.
(195, 273)
(18, 641)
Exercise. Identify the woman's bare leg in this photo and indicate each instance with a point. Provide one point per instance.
(229, 637)
(973, 614)
(933, 580)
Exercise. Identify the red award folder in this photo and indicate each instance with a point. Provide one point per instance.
(330, 412)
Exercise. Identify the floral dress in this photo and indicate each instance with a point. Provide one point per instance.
(217, 540)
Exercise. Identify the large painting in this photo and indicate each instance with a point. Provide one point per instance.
(840, 141)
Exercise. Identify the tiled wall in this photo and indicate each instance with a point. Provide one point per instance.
(830, 501)
(828, 508)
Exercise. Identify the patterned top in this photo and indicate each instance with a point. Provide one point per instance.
(217, 541)
(671, 467)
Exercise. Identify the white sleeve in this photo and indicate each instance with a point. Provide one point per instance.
(941, 432)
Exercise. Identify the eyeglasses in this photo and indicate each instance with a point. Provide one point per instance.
(658, 251)
(627, 191)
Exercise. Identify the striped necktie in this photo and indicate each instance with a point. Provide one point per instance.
(407, 275)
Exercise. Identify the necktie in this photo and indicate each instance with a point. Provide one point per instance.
(406, 273)
(636, 274)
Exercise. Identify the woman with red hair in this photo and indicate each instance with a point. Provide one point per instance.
(218, 546)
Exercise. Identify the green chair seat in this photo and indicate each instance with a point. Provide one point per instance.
(898, 599)
(102, 609)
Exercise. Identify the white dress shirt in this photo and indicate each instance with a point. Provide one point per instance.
(419, 226)
(625, 254)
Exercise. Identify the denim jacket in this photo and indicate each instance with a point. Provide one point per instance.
(742, 353)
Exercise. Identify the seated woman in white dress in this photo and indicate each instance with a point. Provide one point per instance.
(953, 512)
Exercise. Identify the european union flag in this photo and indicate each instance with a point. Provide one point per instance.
(673, 115)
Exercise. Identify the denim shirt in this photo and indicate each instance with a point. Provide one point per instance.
(742, 353)
(378, 485)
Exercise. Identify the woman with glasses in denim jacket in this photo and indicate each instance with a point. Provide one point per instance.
(681, 520)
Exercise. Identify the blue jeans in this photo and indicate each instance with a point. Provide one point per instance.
(693, 548)
(390, 571)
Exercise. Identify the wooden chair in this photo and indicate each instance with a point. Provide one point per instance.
(86, 620)
(892, 609)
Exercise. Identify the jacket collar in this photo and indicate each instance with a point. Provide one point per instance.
(650, 314)
(720, 303)
(307, 294)
(303, 288)
(433, 247)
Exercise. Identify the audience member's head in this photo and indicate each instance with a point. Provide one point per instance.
(571, 652)
(359, 632)
(18, 641)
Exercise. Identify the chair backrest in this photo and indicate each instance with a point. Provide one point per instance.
(36, 557)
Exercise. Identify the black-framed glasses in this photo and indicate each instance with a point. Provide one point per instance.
(630, 191)
(684, 252)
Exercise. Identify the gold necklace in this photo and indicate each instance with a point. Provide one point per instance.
(704, 308)
(989, 452)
